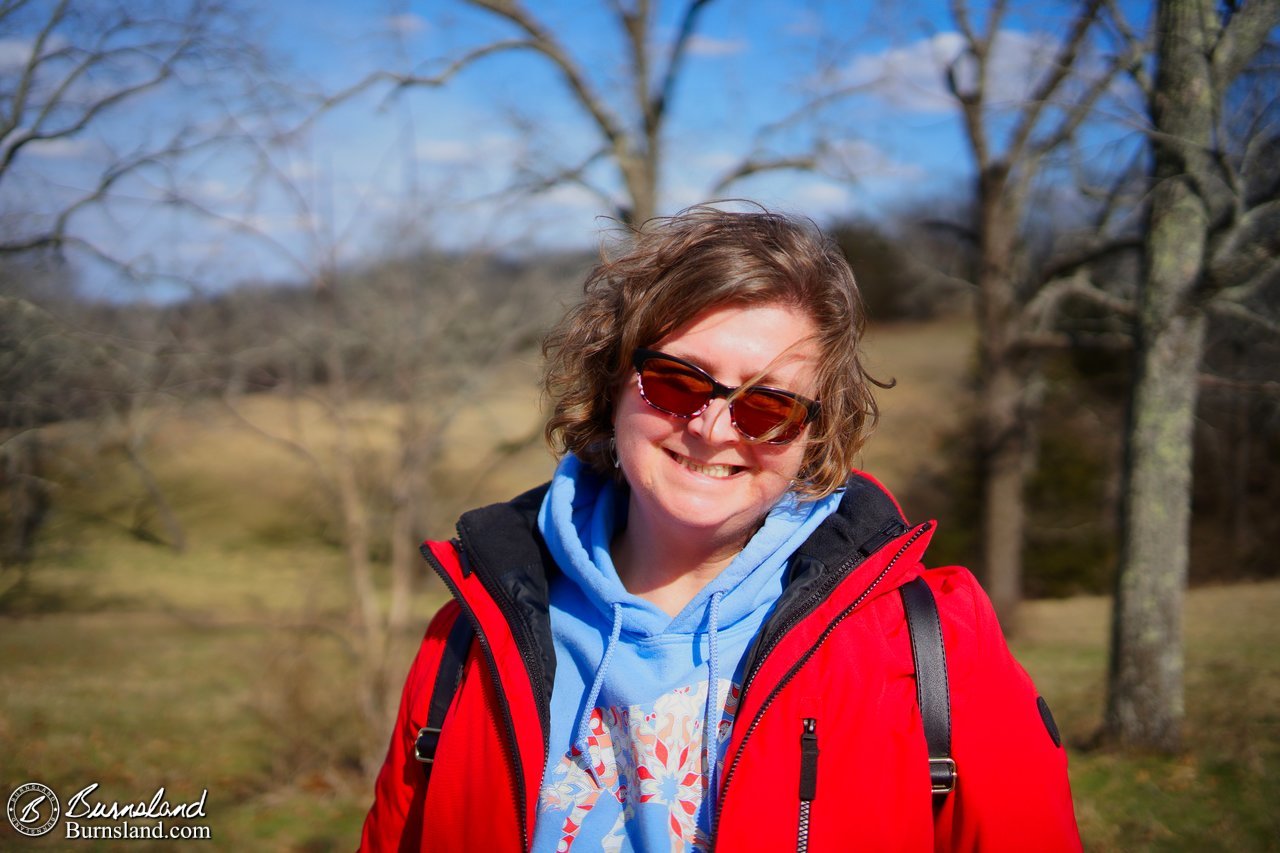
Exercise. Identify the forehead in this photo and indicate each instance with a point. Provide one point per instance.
(736, 342)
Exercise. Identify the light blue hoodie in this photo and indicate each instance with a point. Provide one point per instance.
(627, 767)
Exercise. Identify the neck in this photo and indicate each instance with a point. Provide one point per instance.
(669, 568)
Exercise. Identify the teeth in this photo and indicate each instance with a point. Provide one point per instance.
(709, 470)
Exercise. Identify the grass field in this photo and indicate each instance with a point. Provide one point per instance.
(223, 668)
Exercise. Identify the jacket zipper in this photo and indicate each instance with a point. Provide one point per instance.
(885, 534)
(786, 678)
(524, 643)
(808, 779)
(513, 751)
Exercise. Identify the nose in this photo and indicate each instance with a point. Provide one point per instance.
(714, 425)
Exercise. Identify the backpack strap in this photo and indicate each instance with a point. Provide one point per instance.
(448, 676)
(932, 692)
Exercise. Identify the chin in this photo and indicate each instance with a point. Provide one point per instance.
(706, 512)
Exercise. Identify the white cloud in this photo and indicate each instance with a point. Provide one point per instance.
(212, 190)
(16, 52)
(278, 225)
(571, 196)
(912, 77)
(445, 151)
(300, 170)
(61, 149)
(700, 45)
(718, 159)
(909, 77)
(815, 197)
(683, 195)
(860, 159)
(489, 148)
(406, 23)
(805, 23)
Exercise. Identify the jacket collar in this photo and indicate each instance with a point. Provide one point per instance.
(502, 546)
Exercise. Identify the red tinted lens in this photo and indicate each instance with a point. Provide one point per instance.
(674, 388)
(767, 415)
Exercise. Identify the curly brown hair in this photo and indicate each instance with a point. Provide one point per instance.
(675, 268)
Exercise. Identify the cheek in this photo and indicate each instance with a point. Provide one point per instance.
(785, 461)
(635, 423)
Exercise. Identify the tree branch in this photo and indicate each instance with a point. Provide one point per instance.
(546, 44)
(1040, 313)
(573, 175)
(756, 165)
(401, 81)
(1070, 264)
(1234, 309)
(1134, 45)
(57, 236)
(1239, 293)
(1237, 385)
(1063, 66)
(688, 25)
(1243, 36)
(1083, 107)
(1251, 244)
(1107, 341)
(964, 232)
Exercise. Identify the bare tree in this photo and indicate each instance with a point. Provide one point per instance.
(99, 100)
(382, 358)
(1212, 244)
(1011, 147)
(66, 359)
(72, 70)
(629, 119)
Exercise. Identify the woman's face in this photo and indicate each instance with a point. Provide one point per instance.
(700, 474)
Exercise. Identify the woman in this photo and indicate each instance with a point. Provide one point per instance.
(693, 636)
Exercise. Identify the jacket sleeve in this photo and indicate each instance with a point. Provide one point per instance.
(394, 821)
(1012, 791)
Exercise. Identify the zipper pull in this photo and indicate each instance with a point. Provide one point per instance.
(808, 780)
(456, 542)
(809, 760)
(890, 530)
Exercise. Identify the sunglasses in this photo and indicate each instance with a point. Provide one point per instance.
(675, 387)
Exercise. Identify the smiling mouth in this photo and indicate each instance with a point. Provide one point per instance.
(718, 472)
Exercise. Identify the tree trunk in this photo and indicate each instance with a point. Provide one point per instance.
(1004, 452)
(406, 504)
(366, 614)
(640, 170)
(1145, 692)
(173, 530)
(1146, 702)
(1003, 443)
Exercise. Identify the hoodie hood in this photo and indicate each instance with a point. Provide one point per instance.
(623, 663)
(581, 512)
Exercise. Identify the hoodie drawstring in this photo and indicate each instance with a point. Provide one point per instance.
(711, 724)
(584, 725)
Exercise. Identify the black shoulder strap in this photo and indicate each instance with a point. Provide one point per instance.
(932, 691)
(452, 658)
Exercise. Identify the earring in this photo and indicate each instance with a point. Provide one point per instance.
(613, 452)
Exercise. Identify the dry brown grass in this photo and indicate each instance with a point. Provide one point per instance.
(930, 361)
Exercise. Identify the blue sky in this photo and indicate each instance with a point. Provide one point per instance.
(433, 165)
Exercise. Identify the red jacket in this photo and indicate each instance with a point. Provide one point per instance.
(836, 650)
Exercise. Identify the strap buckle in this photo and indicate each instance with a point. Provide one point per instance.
(424, 748)
(942, 775)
